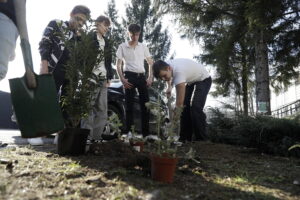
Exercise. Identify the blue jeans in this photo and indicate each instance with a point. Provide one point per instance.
(193, 119)
(8, 36)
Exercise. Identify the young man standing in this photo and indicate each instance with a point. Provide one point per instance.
(192, 83)
(133, 53)
(97, 118)
(53, 53)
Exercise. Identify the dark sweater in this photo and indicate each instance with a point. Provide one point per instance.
(8, 9)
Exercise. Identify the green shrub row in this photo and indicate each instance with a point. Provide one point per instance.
(266, 134)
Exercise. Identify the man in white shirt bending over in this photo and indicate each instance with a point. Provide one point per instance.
(133, 53)
(192, 83)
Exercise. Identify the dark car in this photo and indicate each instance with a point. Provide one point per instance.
(6, 112)
(116, 104)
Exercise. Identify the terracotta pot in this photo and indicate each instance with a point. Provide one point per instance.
(72, 141)
(138, 145)
(163, 168)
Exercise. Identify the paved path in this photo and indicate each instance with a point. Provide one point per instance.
(13, 137)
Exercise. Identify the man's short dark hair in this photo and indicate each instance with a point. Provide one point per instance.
(134, 28)
(158, 66)
(80, 9)
(104, 19)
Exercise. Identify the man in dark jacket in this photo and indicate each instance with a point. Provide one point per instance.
(53, 53)
(97, 118)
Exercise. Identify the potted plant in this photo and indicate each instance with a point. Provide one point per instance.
(163, 151)
(78, 92)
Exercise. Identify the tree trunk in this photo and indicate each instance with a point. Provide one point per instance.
(262, 74)
(244, 81)
(251, 106)
(245, 89)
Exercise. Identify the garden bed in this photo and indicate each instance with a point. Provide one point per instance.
(115, 171)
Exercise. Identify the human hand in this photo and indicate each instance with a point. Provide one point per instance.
(107, 83)
(168, 92)
(126, 84)
(44, 67)
(149, 82)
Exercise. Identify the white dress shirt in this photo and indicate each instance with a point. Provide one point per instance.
(187, 71)
(133, 57)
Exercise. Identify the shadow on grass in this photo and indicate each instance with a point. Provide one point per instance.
(207, 180)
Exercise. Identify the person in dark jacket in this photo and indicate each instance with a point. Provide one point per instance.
(8, 35)
(53, 53)
(97, 118)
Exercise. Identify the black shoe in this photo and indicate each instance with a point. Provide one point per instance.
(109, 137)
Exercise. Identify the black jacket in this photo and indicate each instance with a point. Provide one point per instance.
(51, 47)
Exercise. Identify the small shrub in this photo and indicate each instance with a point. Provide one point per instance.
(267, 134)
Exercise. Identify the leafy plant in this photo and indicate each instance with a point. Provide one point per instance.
(265, 133)
(114, 124)
(83, 56)
(134, 137)
(162, 146)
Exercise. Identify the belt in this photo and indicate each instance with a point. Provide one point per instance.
(134, 73)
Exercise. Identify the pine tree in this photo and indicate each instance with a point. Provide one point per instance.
(117, 32)
(264, 23)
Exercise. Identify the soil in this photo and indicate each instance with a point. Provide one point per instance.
(113, 170)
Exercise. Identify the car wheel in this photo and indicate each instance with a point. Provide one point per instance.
(113, 109)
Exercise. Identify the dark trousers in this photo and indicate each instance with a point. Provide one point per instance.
(193, 119)
(138, 81)
(59, 76)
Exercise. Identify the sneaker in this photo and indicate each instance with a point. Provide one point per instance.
(151, 138)
(109, 137)
(35, 141)
(177, 143)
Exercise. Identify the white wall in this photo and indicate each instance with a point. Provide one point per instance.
(283, 98)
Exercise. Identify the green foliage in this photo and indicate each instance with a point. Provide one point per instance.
(220, 126)
(117, 32)
(134, 136)
(115, 124)
(267, 134)
(165, 144)
(83, 57)
(230, 31)
(156, 109)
